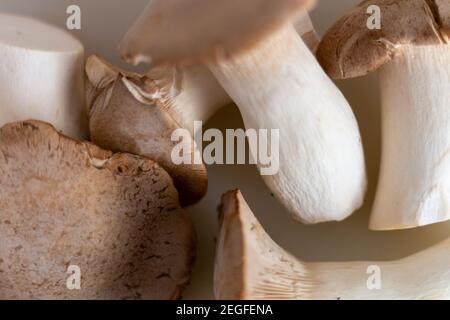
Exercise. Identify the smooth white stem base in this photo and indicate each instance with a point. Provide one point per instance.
(414, 185)
(191, 94)
(41, 75)
(280, 85)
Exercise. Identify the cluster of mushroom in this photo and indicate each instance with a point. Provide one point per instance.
(117, 214)
(114, 218)
(412, 49)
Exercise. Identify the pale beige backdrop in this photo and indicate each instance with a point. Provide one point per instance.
(103, 24)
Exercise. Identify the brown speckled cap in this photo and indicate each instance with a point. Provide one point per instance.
(115, 216)
(188, 31)
(127, 113)
(350, 49)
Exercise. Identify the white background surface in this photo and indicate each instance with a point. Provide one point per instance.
(103, 24)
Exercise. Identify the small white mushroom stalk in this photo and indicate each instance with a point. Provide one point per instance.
(414, 186)
(251, 266)
(279, 85)
(41, 75)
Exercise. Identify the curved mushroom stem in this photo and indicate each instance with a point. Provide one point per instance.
(193, 94)
(41, 75)
(189, 93)
(280, 86)
(398, 280)
(414, 186)
(251, 266)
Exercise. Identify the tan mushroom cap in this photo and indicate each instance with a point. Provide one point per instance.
(191, 31)
(115, 216)
(350, 49)
(128, 114)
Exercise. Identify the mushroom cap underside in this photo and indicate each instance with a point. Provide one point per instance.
(33, 35)
(67, 203)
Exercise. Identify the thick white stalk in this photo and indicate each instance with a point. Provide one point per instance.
(251, 266)
(422, 276)
(280, 85)
(306, 30)
(189, 94)
(41, 75)
(414, 185)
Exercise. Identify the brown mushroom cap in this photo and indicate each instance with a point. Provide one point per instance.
(181, 31)
(350, 49)
(116, 216)
(123, 117)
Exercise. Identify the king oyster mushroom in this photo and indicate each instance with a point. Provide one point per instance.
(126, 116)
(177, 97)
(41, 75)
(191, 93)
(254, 51)
(412, 52)
(250, 265)
(66, 203)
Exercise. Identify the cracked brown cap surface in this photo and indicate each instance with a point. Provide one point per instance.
(350, 49)
(115, 216)
(191, 31)
(127, 113)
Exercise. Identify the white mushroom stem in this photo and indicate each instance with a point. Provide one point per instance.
(280, 85)
(193, 94)
(41, 75)
(189, 93)
(251, 266)
(394, 280)
(414, 185)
